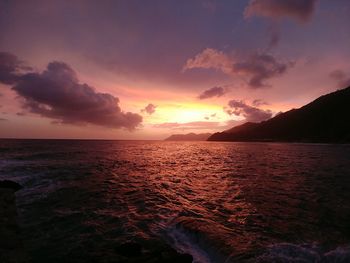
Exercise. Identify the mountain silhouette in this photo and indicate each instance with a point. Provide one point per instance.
(189, 137)
(325, 120)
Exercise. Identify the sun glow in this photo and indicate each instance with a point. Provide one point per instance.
(183, 113)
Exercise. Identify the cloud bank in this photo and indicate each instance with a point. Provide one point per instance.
(56, 93)
(299, 10)
(250, 113)
(258, 68)
(212, 92)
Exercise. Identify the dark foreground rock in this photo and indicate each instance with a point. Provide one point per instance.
(11, 246)
(7, 184)
(12, 250)
(150, 252)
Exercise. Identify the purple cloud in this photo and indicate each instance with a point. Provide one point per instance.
(259, 102)
(258, 68)
(150, 109)
(56, 93)
(261, 67)
(10, 68)
(300, 10)
(250, 113)
(212, 92)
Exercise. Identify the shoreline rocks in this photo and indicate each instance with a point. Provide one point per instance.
(150, 251)
(11, 246)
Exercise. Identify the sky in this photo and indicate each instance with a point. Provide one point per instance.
(132, 69)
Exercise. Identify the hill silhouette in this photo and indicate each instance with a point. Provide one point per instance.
(189, 137)
(325, 120)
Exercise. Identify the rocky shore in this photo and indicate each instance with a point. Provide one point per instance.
(11, 246)
(150, 252)
(12, 249)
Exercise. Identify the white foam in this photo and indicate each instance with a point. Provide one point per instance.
(293, 253)
(184, 244)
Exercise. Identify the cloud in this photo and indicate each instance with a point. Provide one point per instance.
(212, 92)
(274, 35)
(250, 113)
(261, 67)
(342, 79)
(259, 102)
(210, 59)
(258, 68)
(211, 116)
(56, 93)
(10, 68)
(299, 10)
(150, 109)
(2, 119)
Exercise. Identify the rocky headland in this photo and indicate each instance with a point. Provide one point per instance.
(325, 120)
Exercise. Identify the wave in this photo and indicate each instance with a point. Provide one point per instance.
(294, 253)
(207, 245)
(203, 239)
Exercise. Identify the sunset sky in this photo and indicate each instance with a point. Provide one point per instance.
(147, 69)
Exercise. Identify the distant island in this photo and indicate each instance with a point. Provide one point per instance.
(325, 120)
(189, 137)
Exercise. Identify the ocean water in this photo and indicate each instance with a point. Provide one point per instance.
(221, 202)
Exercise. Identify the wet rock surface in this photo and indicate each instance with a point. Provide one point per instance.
(150, 251)
(11, 247)
(7, 184)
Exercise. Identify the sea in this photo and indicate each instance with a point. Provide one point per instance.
(219, 201)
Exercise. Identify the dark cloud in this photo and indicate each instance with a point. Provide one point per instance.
(211, 116)
(56, 93)
(342, 79)
(150, 109)
(212, 92)
(259, 102)
(257, 68)
(274, 35)
(10, 68)
(250, 113)
(260, 68)
(2, 119)
(300, 10)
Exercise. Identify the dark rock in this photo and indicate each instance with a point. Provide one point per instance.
(10, 185)
(130, 249)
(184, 258)
(11, 246)
(172, 256)
(150, 251)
